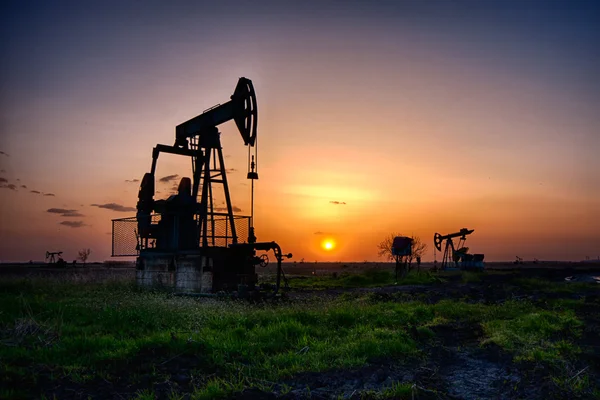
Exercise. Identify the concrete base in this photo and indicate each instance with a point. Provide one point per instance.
(190, 275)
(184, 273)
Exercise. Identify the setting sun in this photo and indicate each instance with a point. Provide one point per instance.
(328, 244)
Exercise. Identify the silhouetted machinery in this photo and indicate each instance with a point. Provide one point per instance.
(458, 257)
(188, 241)
(51, 258)
(518, 260)
(402, 250)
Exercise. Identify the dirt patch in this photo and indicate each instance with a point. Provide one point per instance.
(346, 383)
(458, 367)
(458, 334)
(476, 374)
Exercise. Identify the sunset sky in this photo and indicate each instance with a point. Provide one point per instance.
(374, 117)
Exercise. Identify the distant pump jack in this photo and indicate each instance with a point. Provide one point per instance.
(457, 257)
(51, 258)
(183, 242)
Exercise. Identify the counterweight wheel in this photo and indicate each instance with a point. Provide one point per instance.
(264, 260)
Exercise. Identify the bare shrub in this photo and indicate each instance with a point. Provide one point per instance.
(385, 247)
(84, 255)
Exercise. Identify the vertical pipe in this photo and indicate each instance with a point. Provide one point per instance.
(211, 207)
(203, 202)
(252, 204)
(198, 158)
(197, 173)
(226, 190)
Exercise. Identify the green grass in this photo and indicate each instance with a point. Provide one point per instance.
(537, 336)
(91, 330)
(471, 277)
(146, 394)
(217, 389)
(561, 287)
(369, 278)
(398, 390)
(79, 329)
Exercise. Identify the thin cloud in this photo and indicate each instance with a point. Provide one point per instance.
(64, 212)
(114, 207)
(319, 233)
(230, 170)
(3, 180)
(2, 170)
(73, 224)
(73, 214)
(4, 153)
(9, 186)
(338, 202)
(168, 178)
(35, 191)
(59, 210)
(132, 180)
(49, 194)
(24, 187)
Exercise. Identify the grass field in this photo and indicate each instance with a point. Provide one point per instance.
(95, 340)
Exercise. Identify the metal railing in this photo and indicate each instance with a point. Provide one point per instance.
(127, 241)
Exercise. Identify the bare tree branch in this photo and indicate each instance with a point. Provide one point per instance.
(84, 254)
